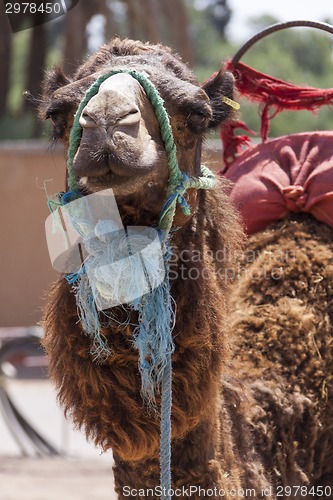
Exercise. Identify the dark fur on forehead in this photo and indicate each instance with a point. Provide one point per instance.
(176, 86)
(128, 52)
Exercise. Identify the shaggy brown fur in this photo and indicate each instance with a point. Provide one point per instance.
(283, 317)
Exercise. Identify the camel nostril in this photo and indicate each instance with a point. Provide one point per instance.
(129, 118)
(110, 118)
(87, 121)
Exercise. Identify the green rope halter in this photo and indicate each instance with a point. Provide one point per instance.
(179, 182)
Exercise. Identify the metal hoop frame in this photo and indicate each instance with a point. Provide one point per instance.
(275, 28)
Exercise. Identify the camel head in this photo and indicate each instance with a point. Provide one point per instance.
(121, 145)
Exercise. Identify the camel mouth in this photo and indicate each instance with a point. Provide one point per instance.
(111, 172)
(107, 165)
(125, 168)
(108, 180)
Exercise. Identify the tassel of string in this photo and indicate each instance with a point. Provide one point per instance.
(233, 144)
(277, 94)
(154, 341)
(153, 335)
(89, 317)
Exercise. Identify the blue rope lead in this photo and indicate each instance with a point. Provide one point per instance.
(165, 439)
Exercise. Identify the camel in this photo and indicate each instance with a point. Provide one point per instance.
(282, 302)
(226, 431)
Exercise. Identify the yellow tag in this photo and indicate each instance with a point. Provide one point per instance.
(230, 102)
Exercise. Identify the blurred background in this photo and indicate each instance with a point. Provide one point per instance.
(204, 33)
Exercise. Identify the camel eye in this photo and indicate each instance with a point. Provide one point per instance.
(58, 121)
(198, 121)
(54, 117)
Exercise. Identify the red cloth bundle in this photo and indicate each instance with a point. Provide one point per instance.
(290, 174)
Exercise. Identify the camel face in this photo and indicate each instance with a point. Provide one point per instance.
(121, 145)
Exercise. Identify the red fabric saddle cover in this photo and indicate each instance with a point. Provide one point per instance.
(293, 173)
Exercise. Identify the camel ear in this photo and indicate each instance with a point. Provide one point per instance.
(219, 85)
(55, 79)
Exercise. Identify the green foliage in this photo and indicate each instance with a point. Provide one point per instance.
(210, 50)
(17, 124)
(301, 55)
(21, 126)
(18, 70)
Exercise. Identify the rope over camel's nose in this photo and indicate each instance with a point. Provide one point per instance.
(114, 104)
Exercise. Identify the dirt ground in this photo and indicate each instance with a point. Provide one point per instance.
(55, 479)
